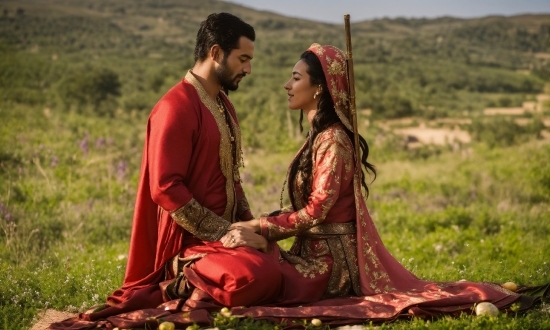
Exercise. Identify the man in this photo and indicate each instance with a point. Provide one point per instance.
(190, 192)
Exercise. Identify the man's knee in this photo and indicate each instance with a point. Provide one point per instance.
(244, 277)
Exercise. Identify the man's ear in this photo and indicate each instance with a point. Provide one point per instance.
(216, 53)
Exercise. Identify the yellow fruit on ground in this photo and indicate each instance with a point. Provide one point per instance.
(225, 312)
(167, 326)
(510, 286)
(316, 322)
(486, 308)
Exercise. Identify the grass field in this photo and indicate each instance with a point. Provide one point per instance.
(68, 186)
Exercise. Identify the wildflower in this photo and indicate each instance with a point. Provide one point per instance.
(122, 169)
(72, 309)
(84, 144)
(54, 161)
(5, 213)
(100, 143)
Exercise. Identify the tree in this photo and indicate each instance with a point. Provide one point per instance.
(97, 89)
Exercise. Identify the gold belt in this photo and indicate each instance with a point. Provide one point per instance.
(328, 229)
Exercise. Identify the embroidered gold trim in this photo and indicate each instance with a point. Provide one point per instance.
(331, 229)
(227, 163)
(349, 244)
(200, 221)
(379, 279)
(339, 283)
(311, 267)
(239, 162)
(276, 233)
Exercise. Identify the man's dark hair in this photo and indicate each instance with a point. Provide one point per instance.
(223, 29)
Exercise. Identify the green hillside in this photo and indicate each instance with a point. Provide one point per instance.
(404, 67)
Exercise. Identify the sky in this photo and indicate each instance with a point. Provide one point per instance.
(332, 11)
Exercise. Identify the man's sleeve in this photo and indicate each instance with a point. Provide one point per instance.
(243, 209)
(171, 139)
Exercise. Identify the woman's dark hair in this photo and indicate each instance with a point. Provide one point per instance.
(324, 118)
(223, 29)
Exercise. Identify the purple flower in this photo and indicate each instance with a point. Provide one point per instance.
(54, 161)
(122, 169)
(84, 144)
(100, 143)
(5, 213)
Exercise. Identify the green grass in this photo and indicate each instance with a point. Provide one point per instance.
(66, 213)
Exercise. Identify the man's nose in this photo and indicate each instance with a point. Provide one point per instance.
(247, 68)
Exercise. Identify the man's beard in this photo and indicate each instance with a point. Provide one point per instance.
(225, 76)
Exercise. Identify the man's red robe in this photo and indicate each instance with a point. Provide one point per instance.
(186, 158)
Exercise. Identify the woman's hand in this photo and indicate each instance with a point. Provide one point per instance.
(253, 225)
(242, 236)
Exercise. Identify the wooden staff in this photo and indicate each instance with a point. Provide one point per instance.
(351, 92)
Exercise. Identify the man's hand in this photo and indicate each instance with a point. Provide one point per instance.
(253, 225)
(243, 236)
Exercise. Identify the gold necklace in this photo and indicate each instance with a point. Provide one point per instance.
(221, 109)
(219, 103)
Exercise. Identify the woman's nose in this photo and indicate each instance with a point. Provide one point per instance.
(286, 86)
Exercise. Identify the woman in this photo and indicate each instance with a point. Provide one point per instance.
(337, 251)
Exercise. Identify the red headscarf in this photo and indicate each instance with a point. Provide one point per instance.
(335, 67)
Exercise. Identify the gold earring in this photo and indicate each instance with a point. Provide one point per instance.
(315, 95)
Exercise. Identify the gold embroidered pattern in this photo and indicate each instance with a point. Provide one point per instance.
(339, 283)
(341, 97)
(200, 221)
(334, 228)
(349, 243)
(313, 267)
(227, 161)
(379, 279)
(339, 239)
(335, 67)
(275, 232)
(239, 162)
(318, 49)
(309, 256)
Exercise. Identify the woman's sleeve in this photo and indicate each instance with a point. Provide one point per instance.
(333, 163)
